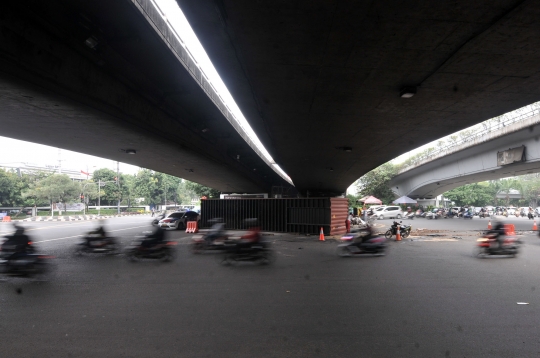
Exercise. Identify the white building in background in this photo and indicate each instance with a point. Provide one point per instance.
(22, 167)
(438, 201)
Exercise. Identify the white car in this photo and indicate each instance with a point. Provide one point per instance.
(389, 212)
(178, 220)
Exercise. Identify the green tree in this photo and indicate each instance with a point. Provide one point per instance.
(477, 194)
(25, 182)
(146, 186)
(169, 186)
(202, 190)
(185, 194)
(9, 188)
(509, 184)
(56, 188)
(127, 188)
(351, 199)
(89, 189)
(377, 183)
(531, 189)
(109, 193)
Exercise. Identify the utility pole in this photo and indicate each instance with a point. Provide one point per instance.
(165, 196)
(60, 161)
(99, 197)
(118, 184)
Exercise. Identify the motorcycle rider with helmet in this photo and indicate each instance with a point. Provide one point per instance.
(498, 232)
(154, 239)
(18, 243)
(96, 235)
(216, 231)
(252, 237)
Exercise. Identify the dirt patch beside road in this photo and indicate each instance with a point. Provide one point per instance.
(424, 232)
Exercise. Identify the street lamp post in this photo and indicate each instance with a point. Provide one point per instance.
(100, 184)
(118, 184)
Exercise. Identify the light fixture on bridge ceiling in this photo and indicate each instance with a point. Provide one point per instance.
(91, 42)
(129, 151)
(407, 92)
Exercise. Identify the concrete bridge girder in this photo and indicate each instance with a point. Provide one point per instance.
(471, 165)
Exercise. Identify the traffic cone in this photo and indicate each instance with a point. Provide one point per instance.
(321, 235)
(398, 235)
(534, 226)
(489, 225)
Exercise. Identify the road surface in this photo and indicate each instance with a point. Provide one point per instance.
(424, 299)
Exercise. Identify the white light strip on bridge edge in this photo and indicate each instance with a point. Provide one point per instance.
(175, 19)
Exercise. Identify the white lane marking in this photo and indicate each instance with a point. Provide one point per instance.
(71, 237)
(75, 223)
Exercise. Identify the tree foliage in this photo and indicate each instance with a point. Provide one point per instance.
(109, 192)
(477, 194)
(202, 190)
(56, 188)
(10, 191)
(377, 183)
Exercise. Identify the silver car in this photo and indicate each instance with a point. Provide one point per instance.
(389, 212)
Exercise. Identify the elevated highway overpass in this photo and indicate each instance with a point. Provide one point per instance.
(319, 82)
(482, 158)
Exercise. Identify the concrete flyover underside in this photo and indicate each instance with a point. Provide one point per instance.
(471, 165)
(311, 77)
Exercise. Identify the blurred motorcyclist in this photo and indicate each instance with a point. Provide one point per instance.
(155, 238)
(18, 244)
(498, 233)
(365, 235)
(252, 237)
(216, 231)
(96, 235)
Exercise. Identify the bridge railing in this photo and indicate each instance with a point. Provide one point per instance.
(491, 130)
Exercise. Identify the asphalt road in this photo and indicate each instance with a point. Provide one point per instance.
(426, 298)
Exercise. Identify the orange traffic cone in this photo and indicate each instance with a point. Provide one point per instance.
(534, 225)
(321, 235)
(398, 235)
(489, 225)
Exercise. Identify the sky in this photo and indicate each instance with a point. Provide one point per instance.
(42, 155)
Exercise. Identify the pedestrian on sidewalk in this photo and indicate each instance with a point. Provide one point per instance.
(348, 222)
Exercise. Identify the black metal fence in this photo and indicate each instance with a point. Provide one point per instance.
(301, 215)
